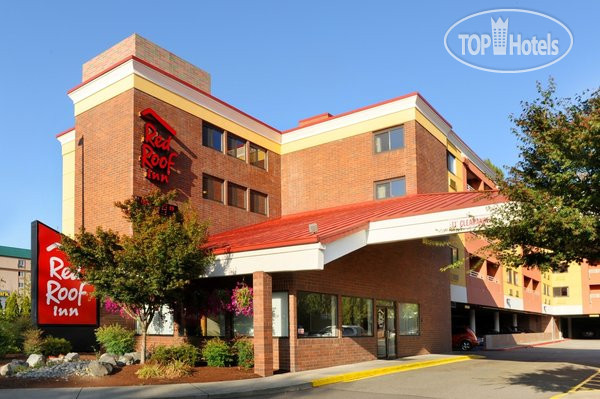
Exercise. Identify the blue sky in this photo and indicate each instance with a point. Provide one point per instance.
(278, 61)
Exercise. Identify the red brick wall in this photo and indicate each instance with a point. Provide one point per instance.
(195, 159)
(343, 171)
(432, 170)
(103, 163)
(403, 272)
(111, 135)
(154, 54)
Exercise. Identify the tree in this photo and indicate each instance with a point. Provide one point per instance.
(552, 218)
(148, 269)
(497, 170)
(11, 307)
(25, 305)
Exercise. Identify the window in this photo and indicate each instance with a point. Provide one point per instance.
(21, 274)
(236, 147)
(357, 317)
(21, 284)
(390, 188)
(453, 255)
(280, 309)
(236, 195)
(216, 325)
(317, 315)
(21, 263)
(161, 324)
(409, 319)
(212, 188)
(451, 159)
(560, 291)
(390, 139)
(212, 136)
(243, 325)
(258, 202)
(258, 156)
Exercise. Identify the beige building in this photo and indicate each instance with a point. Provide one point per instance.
(15, 271)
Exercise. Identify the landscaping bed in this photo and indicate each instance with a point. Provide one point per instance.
(124, 376)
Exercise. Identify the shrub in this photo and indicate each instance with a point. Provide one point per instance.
(52, 346)
(244, 349)
(116, 339)
(149, 370)
(5, 340)
(217, 353)
(177, 369)
(33, 341)
(185, 353)
(11, 307)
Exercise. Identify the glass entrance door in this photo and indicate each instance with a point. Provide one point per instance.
(386, 332)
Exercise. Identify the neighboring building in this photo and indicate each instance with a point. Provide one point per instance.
(325, 220)
(15, 272)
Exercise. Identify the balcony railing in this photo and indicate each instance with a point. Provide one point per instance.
(476, 274)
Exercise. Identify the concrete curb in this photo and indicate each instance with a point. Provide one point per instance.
(359, 375)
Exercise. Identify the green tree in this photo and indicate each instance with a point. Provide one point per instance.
(25, 305)
(552, 218)
(151, 267)
(11, 307)
(497, 170)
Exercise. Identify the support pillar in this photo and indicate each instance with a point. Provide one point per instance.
(569, 327)
(262, 286)
(497, 321)
(515, 321)
(472, 321)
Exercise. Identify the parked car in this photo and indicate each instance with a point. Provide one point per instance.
(464, 339)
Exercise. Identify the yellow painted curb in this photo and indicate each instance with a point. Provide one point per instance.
(576, 387)
(359, 375)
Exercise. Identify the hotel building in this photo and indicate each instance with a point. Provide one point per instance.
(325, 220)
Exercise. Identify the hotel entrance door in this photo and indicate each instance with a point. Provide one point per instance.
(386, 330)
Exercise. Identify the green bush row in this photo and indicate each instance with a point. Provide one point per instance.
(218, 353)
(34, 342)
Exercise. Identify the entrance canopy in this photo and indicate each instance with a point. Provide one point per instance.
(309, 240)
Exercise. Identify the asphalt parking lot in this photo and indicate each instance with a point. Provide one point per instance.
(539, 372)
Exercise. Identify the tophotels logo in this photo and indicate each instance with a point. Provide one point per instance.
(508, 40)
(157, 156)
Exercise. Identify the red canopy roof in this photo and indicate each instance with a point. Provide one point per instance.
(338, 222)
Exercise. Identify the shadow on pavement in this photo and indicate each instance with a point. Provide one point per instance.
(558, 380)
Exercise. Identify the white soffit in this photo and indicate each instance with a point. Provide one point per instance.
(66, 137)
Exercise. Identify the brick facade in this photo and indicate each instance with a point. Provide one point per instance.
(344, 171)
(155, 55)
(402, 272)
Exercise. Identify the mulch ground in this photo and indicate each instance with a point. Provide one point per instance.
(124, 377)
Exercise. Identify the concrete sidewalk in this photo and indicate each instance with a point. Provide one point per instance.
(244, 388)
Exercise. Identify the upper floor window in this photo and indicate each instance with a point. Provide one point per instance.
(390, 139)
(212, 136)
(236, 147)
(236, 195)
(258, 202)
(21, 263)
(390, 188)
(258, 156)
(212, 188)
(560, 291)
(451, 159)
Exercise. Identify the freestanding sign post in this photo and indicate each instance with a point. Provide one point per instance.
(62, 305)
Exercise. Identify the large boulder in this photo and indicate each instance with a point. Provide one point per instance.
(8, 369)
(125, 360)
(99, 369)
(36, 360)
(136, 356)
(109, 358)
(71, 357)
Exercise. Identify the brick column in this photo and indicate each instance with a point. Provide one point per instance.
(263, 323)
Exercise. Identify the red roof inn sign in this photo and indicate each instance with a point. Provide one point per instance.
(59, 298)
(157, 156)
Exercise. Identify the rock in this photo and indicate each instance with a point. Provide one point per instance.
(98, 369)
(36, 360)
(8, 369)
(71, 357)
(18, 362)
(125, 360)
(109, 358)
(109, 367)
(137, 356)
